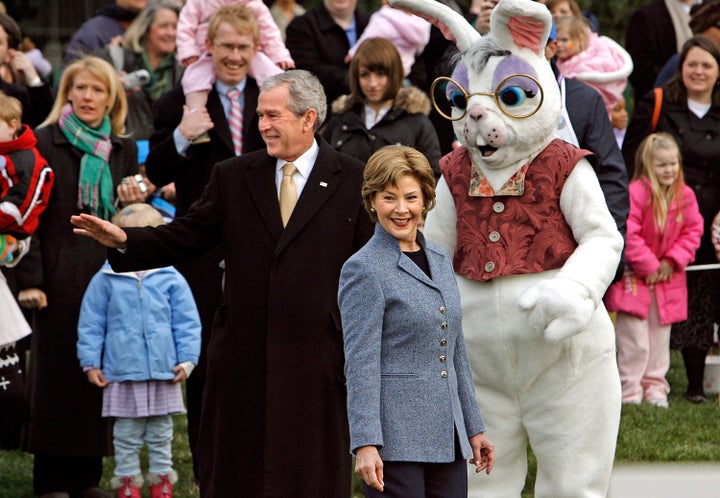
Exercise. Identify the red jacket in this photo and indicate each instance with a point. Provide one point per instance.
(646, 246)
(25, 184)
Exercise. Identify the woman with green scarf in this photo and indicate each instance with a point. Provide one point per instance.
(83, 141)
(149, 44)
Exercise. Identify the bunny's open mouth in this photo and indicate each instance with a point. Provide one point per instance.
(487, 150)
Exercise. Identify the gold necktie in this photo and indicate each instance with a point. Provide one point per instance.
(288, 192)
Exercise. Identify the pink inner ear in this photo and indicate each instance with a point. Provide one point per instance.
(526, 32)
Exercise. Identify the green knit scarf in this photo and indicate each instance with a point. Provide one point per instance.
(95, 186)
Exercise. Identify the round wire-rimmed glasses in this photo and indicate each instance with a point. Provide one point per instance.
(518, 96)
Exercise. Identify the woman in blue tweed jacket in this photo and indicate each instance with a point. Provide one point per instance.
(411, 402)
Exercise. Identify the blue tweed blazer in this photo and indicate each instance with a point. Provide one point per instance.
(408, 377)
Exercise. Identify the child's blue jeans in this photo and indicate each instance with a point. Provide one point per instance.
(129, 436)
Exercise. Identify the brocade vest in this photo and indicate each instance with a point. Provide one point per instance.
(520, 233)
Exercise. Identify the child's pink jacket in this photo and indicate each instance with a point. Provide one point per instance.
(604, 65)
(646, 245)
(193, 24)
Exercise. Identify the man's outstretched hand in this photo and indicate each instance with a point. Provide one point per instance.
(103, 231)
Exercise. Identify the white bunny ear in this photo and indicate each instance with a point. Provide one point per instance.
(453, 25)
(517, 24)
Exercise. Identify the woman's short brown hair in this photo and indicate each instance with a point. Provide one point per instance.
(376, 54)
(387, 165)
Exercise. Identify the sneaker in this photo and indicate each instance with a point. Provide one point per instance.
(696, 398)
(659, 402)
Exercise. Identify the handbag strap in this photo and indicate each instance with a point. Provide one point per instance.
(658, 107)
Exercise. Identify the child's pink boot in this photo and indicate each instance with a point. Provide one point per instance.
(127, 487)
(161, 485)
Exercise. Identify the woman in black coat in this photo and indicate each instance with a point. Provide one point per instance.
(379, 111)
(690, 112)
(66, 432)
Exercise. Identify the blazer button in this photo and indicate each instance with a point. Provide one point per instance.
(344, 127)
(489, 266)
(494, 236)
(442, 358)
(339, 143)
(443, 374)
(498, 207)
(443, 325)
(443, 342)
(442, 309)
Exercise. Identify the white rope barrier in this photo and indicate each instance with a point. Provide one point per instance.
(712, 266)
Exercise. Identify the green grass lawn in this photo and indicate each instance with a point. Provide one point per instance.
(647, 434)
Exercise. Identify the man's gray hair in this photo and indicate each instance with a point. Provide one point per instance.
(306, 92)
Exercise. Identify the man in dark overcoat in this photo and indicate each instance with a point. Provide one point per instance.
(274, 420)
(175, 158)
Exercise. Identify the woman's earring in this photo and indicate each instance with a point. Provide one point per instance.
(372, 210)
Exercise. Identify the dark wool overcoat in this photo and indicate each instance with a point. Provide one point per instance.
(319, 44)
(191, 173)
(65, 407)
(274, 419)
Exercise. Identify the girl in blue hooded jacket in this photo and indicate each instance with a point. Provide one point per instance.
(138, 339)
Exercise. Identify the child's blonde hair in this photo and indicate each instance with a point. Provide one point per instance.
(662, 197)
(138, 215)
(578, 31)
(10, 108)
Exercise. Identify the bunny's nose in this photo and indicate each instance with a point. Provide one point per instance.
(477, 112)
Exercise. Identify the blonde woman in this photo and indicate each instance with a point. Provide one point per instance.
(83, 139)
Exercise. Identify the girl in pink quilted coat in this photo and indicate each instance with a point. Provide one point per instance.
(663, 232)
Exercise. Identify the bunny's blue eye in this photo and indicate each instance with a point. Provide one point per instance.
(458, 100)
(519, 95)
(512, 96)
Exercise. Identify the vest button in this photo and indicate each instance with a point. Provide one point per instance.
(494, 236)
(443, 325)
(443, 342)
(442, 309)
(498, 207)
(442, 358)
(443, 374)
(489, 266)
